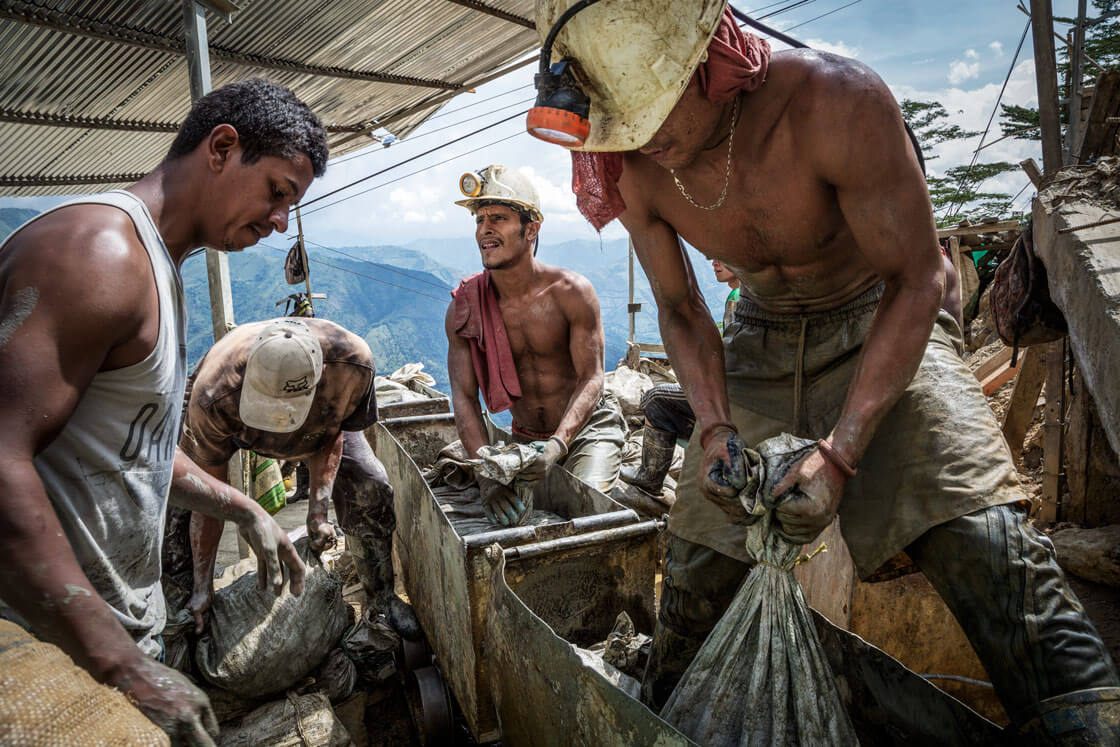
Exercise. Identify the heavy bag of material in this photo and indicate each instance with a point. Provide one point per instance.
(47, 699)
(257, 644)
(761, 678)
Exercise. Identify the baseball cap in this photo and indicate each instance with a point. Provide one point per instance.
(281, 374)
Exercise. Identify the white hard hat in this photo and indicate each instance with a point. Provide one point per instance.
(498, 183)
(633, 60)
(281, 375)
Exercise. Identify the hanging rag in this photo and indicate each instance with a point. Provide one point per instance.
(479, 319)
(736, 61)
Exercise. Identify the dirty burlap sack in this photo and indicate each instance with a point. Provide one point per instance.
(47, 699)
(296, 721)
(257, 644)
(761, 677)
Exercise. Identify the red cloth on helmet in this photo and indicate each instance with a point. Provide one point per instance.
(737, 61)
(479, 319)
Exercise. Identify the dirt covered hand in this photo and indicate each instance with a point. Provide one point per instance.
(169, 700)
(552, 452)
(810, 496)
(501, 503)
(274, 551)
(725, 472)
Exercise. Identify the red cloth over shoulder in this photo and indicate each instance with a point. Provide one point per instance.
(478, 318)
(737, 61)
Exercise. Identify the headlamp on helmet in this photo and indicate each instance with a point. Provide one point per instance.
(470, 184)
(560, 113)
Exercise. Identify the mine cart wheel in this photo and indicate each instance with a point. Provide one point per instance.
(413, 655)
(437, 727)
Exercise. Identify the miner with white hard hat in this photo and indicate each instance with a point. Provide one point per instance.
(295, 389)
(796, 171)
(528, 337)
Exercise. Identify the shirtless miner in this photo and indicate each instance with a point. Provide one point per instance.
(529, 336)
(94, 352)
(796, 172)
(297, 389)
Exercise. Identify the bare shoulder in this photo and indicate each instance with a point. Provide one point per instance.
(833, 93)
(572, 292)
(89, 257)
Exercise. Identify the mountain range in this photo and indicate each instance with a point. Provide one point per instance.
(396, 296)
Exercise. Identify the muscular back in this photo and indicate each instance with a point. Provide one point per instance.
(824, 187)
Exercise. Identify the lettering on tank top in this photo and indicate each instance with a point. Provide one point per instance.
(152, 437)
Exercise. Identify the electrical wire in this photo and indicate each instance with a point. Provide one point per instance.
(976, 153)
(412, 158)
(359, 274)
(791, 6)
(379, 264)
(414, 173)
(822, 15)
(414, 138)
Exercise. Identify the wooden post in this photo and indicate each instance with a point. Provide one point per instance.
(1046, 77)
(306, 261)
(1052, 431)
(630, 307)
(1024, 396)
(1073, 132)
(217, 263)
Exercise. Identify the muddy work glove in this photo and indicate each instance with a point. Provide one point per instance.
(551, 452)
(727, 470)
(501, 503)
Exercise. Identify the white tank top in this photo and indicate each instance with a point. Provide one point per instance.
(109, 471)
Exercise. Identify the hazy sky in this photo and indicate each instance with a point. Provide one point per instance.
(953, 51)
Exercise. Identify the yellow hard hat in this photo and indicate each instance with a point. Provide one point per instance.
(497, 183)
(633, 61)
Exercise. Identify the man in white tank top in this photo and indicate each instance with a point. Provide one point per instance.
(92, 348)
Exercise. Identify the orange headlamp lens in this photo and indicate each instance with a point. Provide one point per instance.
(558, 126)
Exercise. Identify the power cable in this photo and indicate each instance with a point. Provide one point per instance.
(413, 158)
(976, 153)
(822, 15)
(359, 274)
(379, 264)
(414, 173)
(791, 6)
(422, 135)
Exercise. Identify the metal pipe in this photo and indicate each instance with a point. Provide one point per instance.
(578, 525)
(526, 552)
(440, 417)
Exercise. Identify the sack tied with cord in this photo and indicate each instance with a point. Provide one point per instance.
(761, 677)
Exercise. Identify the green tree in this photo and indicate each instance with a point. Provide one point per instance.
(956, 193)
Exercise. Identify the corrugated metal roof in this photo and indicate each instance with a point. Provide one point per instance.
(58, 59)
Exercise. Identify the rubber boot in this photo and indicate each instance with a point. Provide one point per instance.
(373, 560)
(1084, 717)
(657, 456)
(669, 656)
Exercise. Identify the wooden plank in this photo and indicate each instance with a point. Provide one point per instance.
(1033, 172)
(1099, 136)
(1003, 225)
(1052, 431)
(1046, 78)
(1024, 397)
(1003, 374)
(996, 361)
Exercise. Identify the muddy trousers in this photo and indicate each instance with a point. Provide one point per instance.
(996, 573)
(363, 506)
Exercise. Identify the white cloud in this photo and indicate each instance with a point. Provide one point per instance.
(972, 54)
(996, 48)
(839, 48)
(960, 71)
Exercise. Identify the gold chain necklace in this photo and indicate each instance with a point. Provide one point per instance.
(727, 173)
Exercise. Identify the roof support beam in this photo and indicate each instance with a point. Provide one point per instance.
(56, 181)
(24, 12)
(489, 10)
(44, 119)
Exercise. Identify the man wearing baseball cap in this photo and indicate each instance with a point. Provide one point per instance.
(297, 389)
(529, 337)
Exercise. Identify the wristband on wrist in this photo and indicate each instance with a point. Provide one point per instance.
(563, 446)
(708, 432)
(829, 452)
